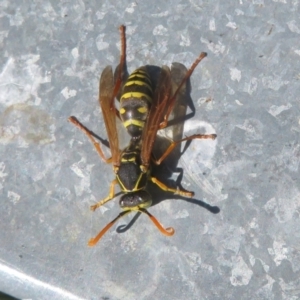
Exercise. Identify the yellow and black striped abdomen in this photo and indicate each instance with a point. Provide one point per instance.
(135, 101)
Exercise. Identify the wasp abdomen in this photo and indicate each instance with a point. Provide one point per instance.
(135, 101)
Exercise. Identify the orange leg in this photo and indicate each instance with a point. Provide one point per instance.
(171, 190)
(166, 231)
(75, 122)
(164, 123)
(174, 144)
(110, 196)
(93, 241)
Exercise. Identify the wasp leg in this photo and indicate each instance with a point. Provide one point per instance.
(168, 189)
(109, 197)
(93, 241)
(75, 122)
(174, 144)
(189, 72)
(166, 231)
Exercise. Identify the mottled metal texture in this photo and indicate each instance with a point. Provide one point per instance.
(246, 90)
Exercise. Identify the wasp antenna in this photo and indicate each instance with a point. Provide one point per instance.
(166, 231)
(93, 241)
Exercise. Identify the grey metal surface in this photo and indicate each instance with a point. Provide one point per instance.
(52, 53)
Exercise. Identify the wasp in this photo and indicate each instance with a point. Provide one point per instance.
(143, 110)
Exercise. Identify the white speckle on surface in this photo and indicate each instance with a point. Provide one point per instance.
(193, 259)
(252, 260)
(251, 86)
(161, 14)
(77, 168)
(232, 239)
(130, 30)
(160, 30)
(130, 8)
(235, 74)
(258, 2)
(253, 224)
(253, 175)
(100, 43)
(231, 25)
(212, 25)
(193, 125)
(240, 273)
(32, 59)
(16, 19)
(215, 48)
(265, 292)
(265, 266)
(183, 213)
(82, 170)
(274, 83)
(239, 12)
(185, 40)
(238, 102)
(253, 128)
(297, 51)
(270, 206)
(293, 26)
(230, 91)
(278, 252)
(41, 218)
(25, 85)
(103, 208)
(74, 52)
(2, 168)
(276, 110)
(13, 197)
(100, 15)
(67, 93)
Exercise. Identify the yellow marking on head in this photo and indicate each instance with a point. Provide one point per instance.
(122, 111)
(142, 109)
(134, 122)
(128, 159)
(136, 95)
(138, 82)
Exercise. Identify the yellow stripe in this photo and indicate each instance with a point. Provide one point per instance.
(121, 184)
(137, 82)
(122, 111)
(136, 95)
(133, 122)
(142, 109)
(134, 189)
(143, 76)
(140, 71)
(129, 159)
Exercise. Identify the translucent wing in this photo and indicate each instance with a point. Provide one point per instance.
(156, 115)
(107, 103)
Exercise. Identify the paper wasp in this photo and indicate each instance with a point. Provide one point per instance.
(143, 111)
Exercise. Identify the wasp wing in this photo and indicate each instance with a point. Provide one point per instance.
(107, 103)
(156, 115)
